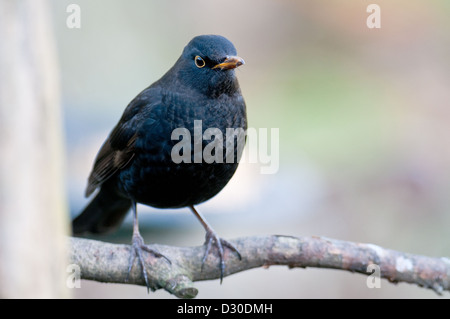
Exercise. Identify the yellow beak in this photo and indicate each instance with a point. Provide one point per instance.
(231, 62)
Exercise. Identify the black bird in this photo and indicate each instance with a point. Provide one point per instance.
(136, 162)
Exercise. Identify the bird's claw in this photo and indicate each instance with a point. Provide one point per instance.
(137, 249)
(211, 237)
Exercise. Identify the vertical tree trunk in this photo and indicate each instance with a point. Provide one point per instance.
(33, 216)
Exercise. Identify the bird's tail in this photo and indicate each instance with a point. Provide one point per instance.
(104, 213)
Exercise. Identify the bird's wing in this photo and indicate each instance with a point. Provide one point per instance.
(118, 150)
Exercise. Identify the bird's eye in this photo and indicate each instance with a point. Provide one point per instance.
(199, 62)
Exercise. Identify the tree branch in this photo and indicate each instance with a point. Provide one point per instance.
(106, 262)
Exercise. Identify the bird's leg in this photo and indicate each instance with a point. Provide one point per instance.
(137, 248)
(212, 237)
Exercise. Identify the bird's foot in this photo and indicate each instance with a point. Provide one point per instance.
(137, 249)
(212, 238)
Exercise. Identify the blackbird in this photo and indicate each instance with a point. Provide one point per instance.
(138, 162)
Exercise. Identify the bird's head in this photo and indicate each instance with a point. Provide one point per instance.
(207, 65)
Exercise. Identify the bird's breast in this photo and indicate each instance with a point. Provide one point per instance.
(185, 157)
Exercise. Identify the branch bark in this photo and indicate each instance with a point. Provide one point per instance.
(106, 262)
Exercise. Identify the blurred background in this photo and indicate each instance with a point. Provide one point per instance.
(363, 116)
